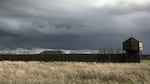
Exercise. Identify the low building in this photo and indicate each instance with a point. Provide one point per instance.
(51, 52)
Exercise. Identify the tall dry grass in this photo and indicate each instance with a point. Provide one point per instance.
(73, 73)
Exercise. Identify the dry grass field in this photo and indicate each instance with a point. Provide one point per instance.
(73, 73)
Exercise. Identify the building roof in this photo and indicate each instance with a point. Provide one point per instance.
(131, 40)
(51, 52)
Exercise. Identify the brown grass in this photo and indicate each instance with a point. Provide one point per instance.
(73, 73)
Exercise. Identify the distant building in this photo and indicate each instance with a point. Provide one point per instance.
(133, 47)
(132, 44)
(51, 52)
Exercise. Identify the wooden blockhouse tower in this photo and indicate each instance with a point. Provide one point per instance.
(133, 47)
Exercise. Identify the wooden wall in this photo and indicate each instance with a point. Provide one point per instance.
(70, 57)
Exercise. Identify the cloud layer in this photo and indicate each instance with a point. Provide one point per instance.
(73, 24)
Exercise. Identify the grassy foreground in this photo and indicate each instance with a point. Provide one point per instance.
(145, 61)
(73, 73)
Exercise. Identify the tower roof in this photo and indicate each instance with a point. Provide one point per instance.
(131, 40)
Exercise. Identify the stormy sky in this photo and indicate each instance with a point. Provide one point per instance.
(73, 24)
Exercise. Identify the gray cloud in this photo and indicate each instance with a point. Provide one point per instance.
(72, 24)
(121, 7)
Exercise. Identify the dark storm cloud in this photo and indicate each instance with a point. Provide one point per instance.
(72, 24)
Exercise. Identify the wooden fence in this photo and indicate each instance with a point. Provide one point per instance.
(70, 57)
